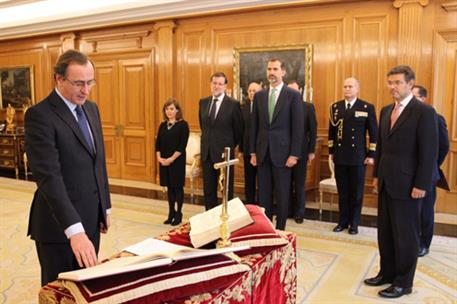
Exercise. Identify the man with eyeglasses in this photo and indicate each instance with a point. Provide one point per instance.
(406, 156)
(64, 145)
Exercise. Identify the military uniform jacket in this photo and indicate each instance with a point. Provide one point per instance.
(347, 132)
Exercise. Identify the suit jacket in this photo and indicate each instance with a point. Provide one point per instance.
(284, 136)
(310, 131)
(443, 149)
(225, 131)
(406, 155)
(72, 181)
(348, 130)
(246, 114)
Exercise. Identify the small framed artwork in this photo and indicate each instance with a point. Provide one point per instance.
(251, 65)
(17, 86)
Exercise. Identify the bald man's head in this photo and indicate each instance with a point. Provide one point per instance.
(351, 88)
(253, 88)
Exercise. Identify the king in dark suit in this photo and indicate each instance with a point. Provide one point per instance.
(64, 145)
(350, 121)
(276, 140)
(439, 179)
(222, 126)
(405, 159)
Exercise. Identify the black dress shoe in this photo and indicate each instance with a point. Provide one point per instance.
(423, 251)
(377, 281)
(339, 228)
(299, 220)
(394, 291)
(353, 230)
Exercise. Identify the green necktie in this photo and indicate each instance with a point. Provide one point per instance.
(271, 103)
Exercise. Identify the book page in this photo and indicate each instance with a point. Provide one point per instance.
(112, 267)
(152, 246)
(205, 227)
(149, 248)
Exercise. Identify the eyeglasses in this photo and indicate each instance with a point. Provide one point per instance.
(81, 84)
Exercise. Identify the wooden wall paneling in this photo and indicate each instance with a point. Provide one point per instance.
(136, 118)
(445, 102)
(37, 53)
(192, 81)
(410, 24)
(106, 74)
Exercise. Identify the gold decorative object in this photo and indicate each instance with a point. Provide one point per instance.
(25, 107)
(10, 113)
(224, 176)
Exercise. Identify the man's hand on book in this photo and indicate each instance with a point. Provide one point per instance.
(84, 250)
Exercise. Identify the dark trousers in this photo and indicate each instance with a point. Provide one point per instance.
(398, 238)
(298, 194)
(250, 178)
(427, 218)
(58, 257)
(210, 184)
(350, 181)
(275, 180)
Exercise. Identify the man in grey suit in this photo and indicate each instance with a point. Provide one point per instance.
(405, 159)
(222, 126)
(64, 145)
(276, 140)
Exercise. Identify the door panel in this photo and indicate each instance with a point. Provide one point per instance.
(106, 74)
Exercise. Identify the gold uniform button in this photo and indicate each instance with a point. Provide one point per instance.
(339, 145)
(353, 145)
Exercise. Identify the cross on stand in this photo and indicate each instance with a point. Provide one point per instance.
(224, 175)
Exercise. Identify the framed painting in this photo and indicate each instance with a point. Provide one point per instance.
(17, 87)
(251, 65)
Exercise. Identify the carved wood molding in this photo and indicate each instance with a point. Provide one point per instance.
(115, 36)
(399, 3)
(409, 31)
(165, 24)
(449, 6)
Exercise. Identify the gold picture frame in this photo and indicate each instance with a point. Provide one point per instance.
(17, 86)
(250, 64)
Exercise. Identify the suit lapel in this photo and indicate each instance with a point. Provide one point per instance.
(403, 116)
(92, 120)
(61, 110)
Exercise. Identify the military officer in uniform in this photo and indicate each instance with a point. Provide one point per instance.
(350, 120)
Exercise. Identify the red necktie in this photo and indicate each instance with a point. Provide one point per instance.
(395, 114)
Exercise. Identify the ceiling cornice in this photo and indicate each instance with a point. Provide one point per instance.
(150, 11)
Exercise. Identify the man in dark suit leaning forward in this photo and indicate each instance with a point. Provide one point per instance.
(64, 145)
(405, 159)
(222, 126)
(439, 180)
(276, 140)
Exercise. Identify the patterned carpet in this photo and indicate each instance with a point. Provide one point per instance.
(331, 266)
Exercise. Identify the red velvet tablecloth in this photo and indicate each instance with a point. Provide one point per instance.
(266, 274)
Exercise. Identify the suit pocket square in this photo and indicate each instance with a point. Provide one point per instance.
(361, 114)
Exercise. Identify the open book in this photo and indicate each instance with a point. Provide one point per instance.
(205, 227)
(149, 253)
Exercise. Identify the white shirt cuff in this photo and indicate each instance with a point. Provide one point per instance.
(74, 229)
(108, 211)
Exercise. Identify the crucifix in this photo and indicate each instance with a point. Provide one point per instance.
(224, 176)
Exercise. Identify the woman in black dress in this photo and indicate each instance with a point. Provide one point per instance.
(171, 153)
